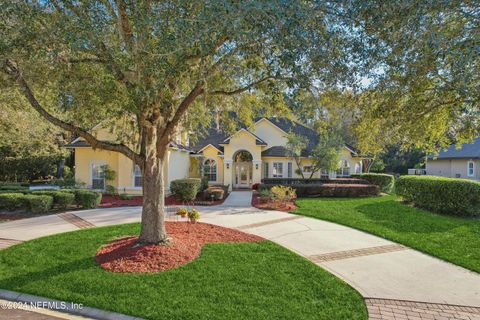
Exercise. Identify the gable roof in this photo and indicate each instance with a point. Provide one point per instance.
(466, 151)
(258, 140)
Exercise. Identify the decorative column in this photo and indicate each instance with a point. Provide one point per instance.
(257, 171)
(227, 173)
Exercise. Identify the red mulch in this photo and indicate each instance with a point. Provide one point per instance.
(187, 240)
(16, 216)
(174, 201)
(272, 205)
(116, 201)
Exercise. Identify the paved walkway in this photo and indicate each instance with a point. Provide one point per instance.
(396, 282)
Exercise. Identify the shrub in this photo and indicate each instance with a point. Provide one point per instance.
(13, 188)
(283, 193)
(37, 203)
(264, 195)
(88, 199)
(255, 186)
(193, 215)
(125, 196)
(442, 195)
(183, 212)
(61, 199)
(332, 190)
(204, 184)
(110, 190)
(385, 182)
(186, 189)
(11, 201)
(217, 193)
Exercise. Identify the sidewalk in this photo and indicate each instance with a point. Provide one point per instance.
(393, 279)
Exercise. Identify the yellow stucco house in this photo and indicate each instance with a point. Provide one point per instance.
(238, 160)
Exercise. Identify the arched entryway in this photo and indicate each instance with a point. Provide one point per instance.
(243, 169)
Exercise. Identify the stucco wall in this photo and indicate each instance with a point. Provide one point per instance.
(178, 165)
(211, 152)
(269, 133)
(85, 157)
(452, 168)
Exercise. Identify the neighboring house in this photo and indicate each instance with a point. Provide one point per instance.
(456, 163)
(238, 160)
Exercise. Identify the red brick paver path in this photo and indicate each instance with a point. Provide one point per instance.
(385, 309)
(75, 220)
(339, 255)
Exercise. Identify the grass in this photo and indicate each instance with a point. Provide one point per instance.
(228, 281)
(450, 238)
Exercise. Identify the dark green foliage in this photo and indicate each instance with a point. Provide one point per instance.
(61, 199)
(336, 190)
(204, 184)
(37, 203)
(386, 182)
(294, 181)
(454, 239)
(442, 195)
(88, 199)
(11, 201)
(258, 280)
(186, 189)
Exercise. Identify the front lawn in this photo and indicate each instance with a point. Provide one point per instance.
(256, 280)
(450, 238)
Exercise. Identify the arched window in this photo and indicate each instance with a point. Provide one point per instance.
(358, 167)
(344, 170)
(210, 170)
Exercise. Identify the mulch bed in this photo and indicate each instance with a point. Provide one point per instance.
(16, 216)
(116, 201)
(187, 240)
(272, 205)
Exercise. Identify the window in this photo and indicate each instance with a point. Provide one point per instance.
(289, 170)
(210, 170)
(471, 169)
(344, 170)
(323, 173)
(277, 171)
(358, 167)
(265, 171)
(98, 176)
(137, 177)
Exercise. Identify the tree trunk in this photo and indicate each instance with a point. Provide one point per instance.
(153, 212)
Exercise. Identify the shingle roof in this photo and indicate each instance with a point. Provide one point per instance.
(467, 150)
(275, 151)
(213, 137)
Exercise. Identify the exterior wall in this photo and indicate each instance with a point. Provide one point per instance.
(211, 152)
(177, 167)
(269, 133)
(85, 157)
(285, 161)
(452, 168)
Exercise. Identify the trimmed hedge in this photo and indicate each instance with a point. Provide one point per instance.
(386, 182)
(29, 202)
(186, 189)
(37, 203)
(88, 199)
(295, 181)
(61, 199)
(442, 195)
(332, 190)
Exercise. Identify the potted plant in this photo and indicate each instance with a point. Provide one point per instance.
(193, 215)
(182, 212)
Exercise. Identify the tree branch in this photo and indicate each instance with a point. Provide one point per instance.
(11, 68)
(239, 90)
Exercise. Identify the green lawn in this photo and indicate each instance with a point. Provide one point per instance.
(228, 281)
(453, 239)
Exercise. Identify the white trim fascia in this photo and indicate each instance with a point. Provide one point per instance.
(247, 131)
(201, 150)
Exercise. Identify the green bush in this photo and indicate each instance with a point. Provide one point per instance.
(88, 199)
(61, 199)
(125, 196)
(37, 203)
(186, 189)
(442, 195)
(384, 181)
(204, 184)
(11, 201)
(13, 188)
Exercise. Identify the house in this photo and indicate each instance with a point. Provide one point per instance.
(463, 162)
(239, 160)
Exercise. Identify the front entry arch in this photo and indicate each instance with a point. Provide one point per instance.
(243, 169)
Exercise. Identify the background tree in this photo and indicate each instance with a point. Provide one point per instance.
(296, 145)
(146, 68)
(326, 154)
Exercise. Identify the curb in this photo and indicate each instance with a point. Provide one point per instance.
(63, 306)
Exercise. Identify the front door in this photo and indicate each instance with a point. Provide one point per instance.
(242, 176)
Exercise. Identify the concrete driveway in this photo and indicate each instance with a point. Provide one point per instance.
(395, 281)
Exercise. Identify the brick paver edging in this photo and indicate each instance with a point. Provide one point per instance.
(266, 223)
(63, 306)
(339, 255)
(75, 220)
(386, 309)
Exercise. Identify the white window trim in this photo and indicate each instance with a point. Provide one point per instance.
(133, 187)
(473, 168)
(283, 168)
(101, 163)
(216, 170)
